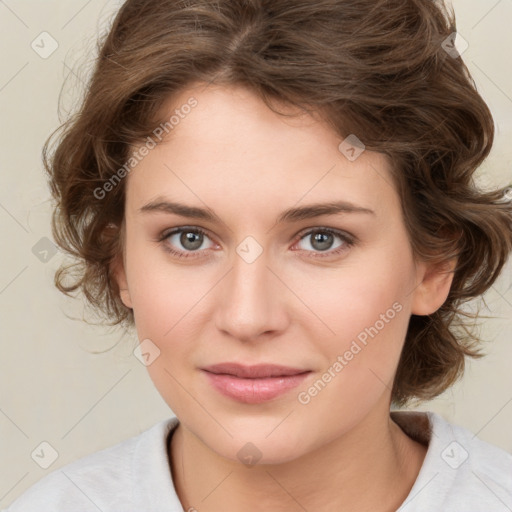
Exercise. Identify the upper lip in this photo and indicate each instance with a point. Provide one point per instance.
(253, 371)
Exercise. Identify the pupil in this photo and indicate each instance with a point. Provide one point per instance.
(321, 238)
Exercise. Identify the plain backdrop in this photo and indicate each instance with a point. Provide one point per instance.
(54, 388)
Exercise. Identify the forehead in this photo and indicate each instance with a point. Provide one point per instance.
(230, 148)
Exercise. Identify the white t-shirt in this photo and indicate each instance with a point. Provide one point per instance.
(460, 473)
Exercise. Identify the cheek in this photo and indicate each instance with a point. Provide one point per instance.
(361, 357)
(170, 308)
(365, 351)
(365, 314)
(354, 297)
(161, 293)
(167, 305)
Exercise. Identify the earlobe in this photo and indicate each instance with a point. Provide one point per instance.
(124, 293)
(433, 290)
(119, 273)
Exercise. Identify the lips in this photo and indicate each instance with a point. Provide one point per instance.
(253, 372)
(253, 384)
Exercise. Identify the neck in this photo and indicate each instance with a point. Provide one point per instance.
(371, 467)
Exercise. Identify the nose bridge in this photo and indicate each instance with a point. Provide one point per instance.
(250, 302)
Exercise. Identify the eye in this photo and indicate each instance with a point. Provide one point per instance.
(322, 240)
(188, 240)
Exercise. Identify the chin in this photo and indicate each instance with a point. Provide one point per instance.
(259, 441)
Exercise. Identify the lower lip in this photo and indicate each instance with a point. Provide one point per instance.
(254, 391)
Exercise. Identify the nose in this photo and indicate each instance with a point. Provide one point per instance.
(252, 301)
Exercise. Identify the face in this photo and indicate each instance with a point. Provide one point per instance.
(328, 293)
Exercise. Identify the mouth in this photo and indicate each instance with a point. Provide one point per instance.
(253, 384)
(258, 371)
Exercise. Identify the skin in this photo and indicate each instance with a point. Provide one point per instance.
(293, 306)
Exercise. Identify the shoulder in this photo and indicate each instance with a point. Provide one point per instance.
(103, 480)
(460, 471)
(481, 467)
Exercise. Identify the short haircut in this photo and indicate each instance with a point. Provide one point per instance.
(384, 70)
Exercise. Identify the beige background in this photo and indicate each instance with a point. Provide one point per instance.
(53, 388)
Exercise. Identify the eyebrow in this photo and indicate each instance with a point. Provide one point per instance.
(290, 215)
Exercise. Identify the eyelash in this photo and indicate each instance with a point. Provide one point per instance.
(348, 241)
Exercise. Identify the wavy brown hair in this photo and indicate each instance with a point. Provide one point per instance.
(375, 68)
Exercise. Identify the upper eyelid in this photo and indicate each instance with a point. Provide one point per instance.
(336, 231)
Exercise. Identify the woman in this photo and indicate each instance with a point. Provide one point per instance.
(278, 196)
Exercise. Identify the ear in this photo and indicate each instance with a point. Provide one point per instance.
(119, 273)
(435, 282)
